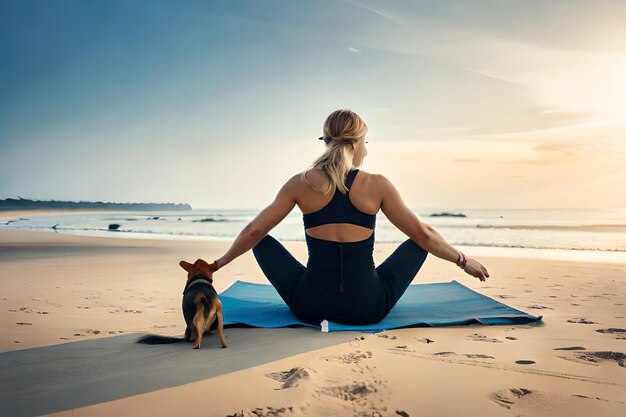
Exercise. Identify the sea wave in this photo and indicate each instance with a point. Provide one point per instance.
(138, 231)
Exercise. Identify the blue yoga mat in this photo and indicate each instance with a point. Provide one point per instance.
(438, 304)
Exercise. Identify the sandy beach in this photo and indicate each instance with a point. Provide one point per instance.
(59, 288)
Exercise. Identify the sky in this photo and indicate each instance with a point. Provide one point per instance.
(482, 104)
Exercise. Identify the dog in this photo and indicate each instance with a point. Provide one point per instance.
(201, 305)
(202, 308)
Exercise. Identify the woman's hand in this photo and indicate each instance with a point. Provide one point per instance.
(475, 269)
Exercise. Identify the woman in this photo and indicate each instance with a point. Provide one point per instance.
(339, 202)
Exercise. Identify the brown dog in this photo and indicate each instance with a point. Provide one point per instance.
(201, 306)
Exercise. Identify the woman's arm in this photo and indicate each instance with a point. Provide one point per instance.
(423, 234)
(265, 221)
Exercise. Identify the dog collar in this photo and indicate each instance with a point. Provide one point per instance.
(198, 279)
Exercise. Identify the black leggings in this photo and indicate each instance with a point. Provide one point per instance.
(358, 294)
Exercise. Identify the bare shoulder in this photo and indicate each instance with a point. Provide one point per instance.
(373, 181)
(295, 178)
(376, 177)
(384, 189)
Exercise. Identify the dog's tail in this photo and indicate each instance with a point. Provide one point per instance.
(154, 339)
(201, 301)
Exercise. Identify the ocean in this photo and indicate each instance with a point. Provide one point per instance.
(579, 234)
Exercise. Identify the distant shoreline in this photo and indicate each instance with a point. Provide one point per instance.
(13, 204)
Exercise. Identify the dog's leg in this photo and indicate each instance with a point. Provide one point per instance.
(220, 325)
(194, 333)
(212, 316)
(198, 326)
(199, 319)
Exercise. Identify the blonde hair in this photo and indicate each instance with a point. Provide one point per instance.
(342, 129)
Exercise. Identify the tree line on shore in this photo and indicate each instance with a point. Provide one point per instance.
(28, 204)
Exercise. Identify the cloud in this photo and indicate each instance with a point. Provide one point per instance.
(574, 25)
(558, 146)
(386, 14)
(351, 49)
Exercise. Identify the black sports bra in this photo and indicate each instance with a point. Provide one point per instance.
(340, 210)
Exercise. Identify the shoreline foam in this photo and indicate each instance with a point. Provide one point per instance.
(490, 250)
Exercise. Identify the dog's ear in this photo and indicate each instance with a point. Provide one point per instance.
(186, 266)
(212, 266)
(205, 266)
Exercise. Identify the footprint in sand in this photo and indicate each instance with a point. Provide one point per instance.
(355, 392)
(22, 310)
(581, 320)
(581, 355)
(23, 323)
(365, 395)
(526, 402)
(289, 378)
(524, 362)
(596, 357)
(351, 387)
(539, 307)
(619, 333)
(386, 336)
(349, 358)
(468, 355)
(510, 337)
(482, 338)
(508, 397)
(444, 353)
(263, 412)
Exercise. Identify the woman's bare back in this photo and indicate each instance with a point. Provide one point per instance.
(364, 195)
